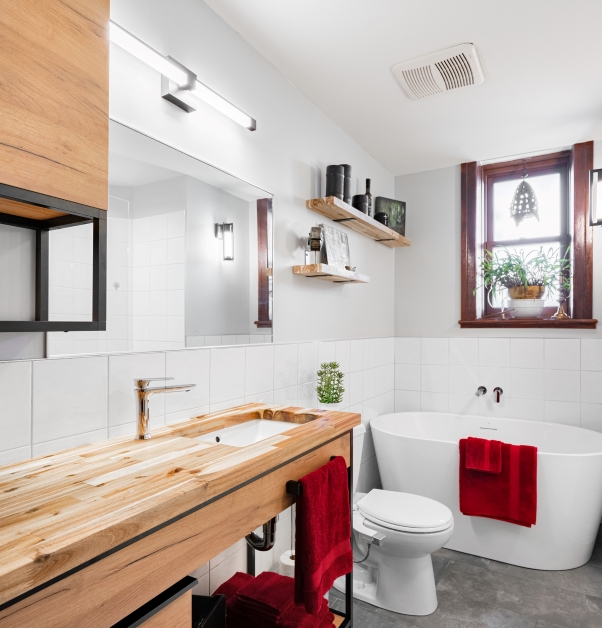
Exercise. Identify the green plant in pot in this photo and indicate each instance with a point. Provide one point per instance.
(330, 386)
(527, 277)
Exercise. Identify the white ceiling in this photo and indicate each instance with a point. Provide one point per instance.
(541, 60)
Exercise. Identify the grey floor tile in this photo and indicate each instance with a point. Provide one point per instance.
(594, 612)
(368, 616)
(457, 612)
(520, 595)
(545, 577)
(596, 558)
(439, 566)
(586, 579)
(462, 557)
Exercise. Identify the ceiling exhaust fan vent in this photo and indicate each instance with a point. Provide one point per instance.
(440, 72)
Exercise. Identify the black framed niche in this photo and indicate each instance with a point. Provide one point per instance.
(31, 210)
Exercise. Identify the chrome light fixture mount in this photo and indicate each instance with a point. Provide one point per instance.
(179, 85)
(225, 232)
(524, 202)
(595, 211)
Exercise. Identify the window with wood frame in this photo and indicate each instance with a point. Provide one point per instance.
(561, 184)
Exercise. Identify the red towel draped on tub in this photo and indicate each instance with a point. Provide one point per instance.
(323, 535)
(484, 455)
(510, 495)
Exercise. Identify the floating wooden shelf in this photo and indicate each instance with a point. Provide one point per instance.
(531, 323)
(330, 273)
(340, 212)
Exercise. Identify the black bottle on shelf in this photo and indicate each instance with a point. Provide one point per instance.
(369, 212)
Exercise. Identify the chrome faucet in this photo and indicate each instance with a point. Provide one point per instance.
(498, 392)
(481, 390)
(145, 393)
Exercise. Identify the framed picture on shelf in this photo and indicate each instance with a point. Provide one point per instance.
(336, 247)
(396, 210)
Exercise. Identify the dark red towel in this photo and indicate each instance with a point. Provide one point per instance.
(323, 534)
(508, 496)
(484, 455)
(231, 586)
(269, 595)
(267, 602)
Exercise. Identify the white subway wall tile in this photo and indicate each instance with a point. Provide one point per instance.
(286, 396)
(389, 350)
(259, 369)
(434, 402)
(227, 380)
(488, 407)
(407, 377)
(494, 352)
(15, 404)
(407, 350)
(356, 356)
(562, 385)
(434, 351)
(493, 377)
(463, 351)
(188, 367)
(285, 365)
(527, 383)
(369, 352)
(591, 416)
(308, 362)
(591, 355)
(591, 386)
(70, 442)
(11, 456)
(526, 353)
(564, 354)
(463, 404)
(69, 397)
(463, 380)
(565, 412)
(343, 354)
(327, 352)
(434, 378)
(527, 409)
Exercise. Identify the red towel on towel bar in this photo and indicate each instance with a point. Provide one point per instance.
(323, 535)
(484, 455)
(510, 495)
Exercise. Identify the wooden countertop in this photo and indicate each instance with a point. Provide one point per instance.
(61, 511)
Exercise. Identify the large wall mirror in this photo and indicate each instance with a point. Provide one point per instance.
(189, 256)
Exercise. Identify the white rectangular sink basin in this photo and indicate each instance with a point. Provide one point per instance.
(247, 433)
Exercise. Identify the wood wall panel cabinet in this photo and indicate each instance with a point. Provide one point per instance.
(54, 98)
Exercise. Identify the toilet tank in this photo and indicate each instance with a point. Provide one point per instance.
(358, 446)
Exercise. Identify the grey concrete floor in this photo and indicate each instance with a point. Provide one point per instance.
(476, 592)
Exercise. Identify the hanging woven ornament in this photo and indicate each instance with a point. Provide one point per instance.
(524, 202)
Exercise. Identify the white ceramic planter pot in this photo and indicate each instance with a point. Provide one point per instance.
(526, 308)
(329, 406)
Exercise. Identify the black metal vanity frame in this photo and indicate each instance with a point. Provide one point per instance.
(293, 487)
(77, 214)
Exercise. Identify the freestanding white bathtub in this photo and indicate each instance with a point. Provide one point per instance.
(417, 452)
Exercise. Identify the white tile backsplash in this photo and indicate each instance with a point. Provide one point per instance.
(69, 397)
(526, 353)
(227, 378)
(563, 354)
(558, 380)
(15, 404)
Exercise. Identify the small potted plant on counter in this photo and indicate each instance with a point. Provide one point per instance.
(527, 277)
(330, 386)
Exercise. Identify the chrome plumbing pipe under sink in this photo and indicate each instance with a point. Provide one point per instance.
(144, 394)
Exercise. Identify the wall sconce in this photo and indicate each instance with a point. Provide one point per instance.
(595, 198)
(225, 232)
(178, 84)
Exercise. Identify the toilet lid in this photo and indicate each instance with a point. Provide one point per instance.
(405, 510)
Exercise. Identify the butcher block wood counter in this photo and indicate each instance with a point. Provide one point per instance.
(89, 535)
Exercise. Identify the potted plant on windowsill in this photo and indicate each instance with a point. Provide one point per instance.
(527, 277)
(330, 386)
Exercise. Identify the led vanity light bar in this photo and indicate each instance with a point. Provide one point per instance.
(178, 84)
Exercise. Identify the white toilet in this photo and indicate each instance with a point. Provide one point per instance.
(401, 531)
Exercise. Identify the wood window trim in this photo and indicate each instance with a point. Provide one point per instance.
(580, 159)
(264, 269)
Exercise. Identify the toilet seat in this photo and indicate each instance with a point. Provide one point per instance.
(405, 512)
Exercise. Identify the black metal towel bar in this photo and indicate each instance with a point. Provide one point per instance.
(293, 487)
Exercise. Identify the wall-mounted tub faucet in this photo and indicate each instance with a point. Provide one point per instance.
(145, 393)
(498, 392)
(481, 390)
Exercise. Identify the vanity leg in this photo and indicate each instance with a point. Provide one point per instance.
(250, 560)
